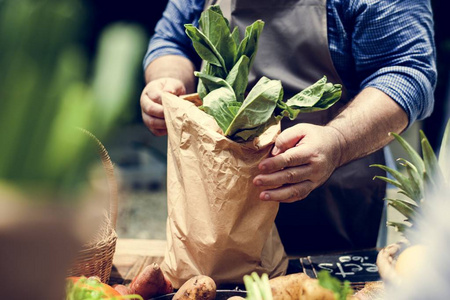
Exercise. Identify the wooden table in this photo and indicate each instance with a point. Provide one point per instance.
(132, 255)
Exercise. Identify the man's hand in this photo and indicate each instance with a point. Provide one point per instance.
(151, 105)
(304, 157)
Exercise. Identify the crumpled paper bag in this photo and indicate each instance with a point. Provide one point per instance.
(217, 225)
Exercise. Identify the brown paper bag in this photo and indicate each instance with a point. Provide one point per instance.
(217, 225)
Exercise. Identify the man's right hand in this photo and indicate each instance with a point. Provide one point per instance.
(151, 104)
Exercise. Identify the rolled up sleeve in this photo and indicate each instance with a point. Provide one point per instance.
(393, 45)
(169, 37)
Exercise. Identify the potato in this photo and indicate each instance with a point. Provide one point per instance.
(298, 287)
(199, 287)
(236, 298)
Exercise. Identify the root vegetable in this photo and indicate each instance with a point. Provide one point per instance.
(200, 287)
(151, 283)
(122, 289)
(298, 287)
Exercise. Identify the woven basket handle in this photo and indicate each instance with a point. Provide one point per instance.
(111, 179)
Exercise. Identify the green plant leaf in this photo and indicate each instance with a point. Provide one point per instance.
(221, 104)
(430, 160)
(217, 30)
(405, 182)
(408, 209)
(415, 158)
(257, 107)
(415, 177)
(341, 290)
(400, 227)
(236, 38)
(444, 154)
(238, 77)
(319, 96)
(212, 83)
(204, 48)
(249, 44)
(388, 180)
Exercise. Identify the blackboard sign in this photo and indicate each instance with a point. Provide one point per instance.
(359, 266)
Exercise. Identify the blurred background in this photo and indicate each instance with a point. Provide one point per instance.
(139, 157)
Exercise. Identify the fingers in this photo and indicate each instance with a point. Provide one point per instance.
(287, 176)
(290, 158)
(151, 103)
(155, 125)
(288, 193)
(286, 140)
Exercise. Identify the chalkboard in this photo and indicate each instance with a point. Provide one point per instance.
(358, 266)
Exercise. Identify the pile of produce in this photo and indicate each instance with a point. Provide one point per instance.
(151, 283)
(224, 79)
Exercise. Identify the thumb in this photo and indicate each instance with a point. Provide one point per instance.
(286, 140)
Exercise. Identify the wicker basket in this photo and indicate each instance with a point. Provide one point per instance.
(95, 257)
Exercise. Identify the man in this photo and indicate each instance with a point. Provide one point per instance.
(382, 52)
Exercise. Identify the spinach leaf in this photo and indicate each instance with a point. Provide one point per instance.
(224, 79)
(222, 105)
(249, 45)
(216, 28)
(257, 107)
(319, 96)
(238, 77)
(211, 83)
(205, 49)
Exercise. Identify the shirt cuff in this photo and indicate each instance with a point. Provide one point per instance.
(408, 87)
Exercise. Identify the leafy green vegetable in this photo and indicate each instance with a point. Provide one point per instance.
(224, 79)
(257, 107)
(340, 289)
(319, 96)
(258, 288)
(92, 289)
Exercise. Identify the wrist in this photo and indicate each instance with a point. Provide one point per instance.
(341, 145)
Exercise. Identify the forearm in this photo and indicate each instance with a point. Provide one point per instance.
(172, 66)
(363, 126)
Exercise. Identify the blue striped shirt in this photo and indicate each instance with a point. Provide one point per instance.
(385, 44)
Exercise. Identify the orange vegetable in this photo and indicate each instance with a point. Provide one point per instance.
(93, 284)
(151, 283)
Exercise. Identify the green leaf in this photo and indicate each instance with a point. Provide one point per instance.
(209, 70)
(238, 77)
(388, 180)
(341, 290)
(400, 227)
(258, 288)
(236, 37)
(415, 177)
(212, 83)
(319, 96)
(415, 158)
(430, 160)
(444, 153)
(406, 208)
(258, 107)
(405, 182)
(216, 28)
(204, 48)
(249, 44)
(221, 104)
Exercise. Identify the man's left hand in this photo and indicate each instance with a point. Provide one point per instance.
(304, 157)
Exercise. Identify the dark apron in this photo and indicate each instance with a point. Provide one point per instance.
(345, 212)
